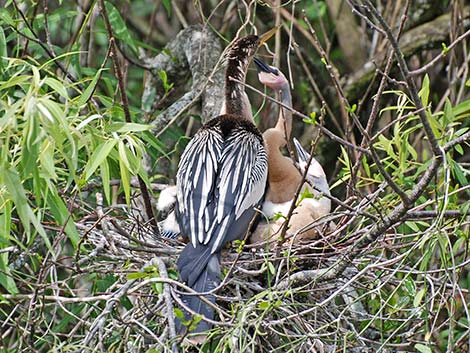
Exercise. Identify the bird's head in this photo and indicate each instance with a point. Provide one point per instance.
(245, 48)
(270, 75)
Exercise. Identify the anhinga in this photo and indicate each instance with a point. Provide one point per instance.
(284, 177)
(166, 206)
(221, 178)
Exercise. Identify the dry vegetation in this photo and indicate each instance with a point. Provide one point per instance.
(86, 95)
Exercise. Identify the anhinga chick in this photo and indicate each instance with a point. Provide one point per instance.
(284, 176)
(220, 181)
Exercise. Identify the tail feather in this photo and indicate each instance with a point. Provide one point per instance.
(201, 271)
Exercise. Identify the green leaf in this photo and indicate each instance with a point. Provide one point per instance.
(445, 50)
(86, 95)
(419, 297)
(3, 50)
(123, 156)
(5, 221)
(178, 313)
(410, 286)
(15, 189)
(459, 149)
(264, 305)
(305, 194)
(125, 180)
(195, 320)
(87, 121)
(312, 120)
(119, 26)
(422, 348)
(458, 173)
(98, 156)
(62, 216)
(57, 86)
(424, 92)
(5, 17)
(366, 166)
(352, 109)
(104, 283)
(413, 226)
(137, 275)
(167, 4)
(122, 127)
(448, 112)
(271, 268)
(6, 280)
(46, 157)
(15, 81)
(166, 85)
(157, 287)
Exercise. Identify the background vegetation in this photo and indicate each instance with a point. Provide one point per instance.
(98, 100)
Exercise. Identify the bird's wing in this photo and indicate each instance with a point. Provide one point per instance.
(197, 173)
(217, 182)
(241, 183)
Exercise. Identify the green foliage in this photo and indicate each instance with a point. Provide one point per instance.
(432, 243)
(312, 120)
(49, 149)
(64, 136)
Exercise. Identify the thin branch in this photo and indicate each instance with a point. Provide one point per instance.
(323, 129)
(127, 114)
(51, 55)
(293, 204)
(441, 55)
(436, 149)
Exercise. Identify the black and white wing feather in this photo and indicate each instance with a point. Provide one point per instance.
(195, 179)
(220, 179)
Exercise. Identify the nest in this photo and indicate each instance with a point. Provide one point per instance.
(274, 294)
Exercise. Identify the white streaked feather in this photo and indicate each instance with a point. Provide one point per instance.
(207, 219)
(217, 182)
(221, 234)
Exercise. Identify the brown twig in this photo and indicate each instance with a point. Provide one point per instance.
(127, 114)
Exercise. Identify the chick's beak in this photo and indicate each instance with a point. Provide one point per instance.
(263, 67)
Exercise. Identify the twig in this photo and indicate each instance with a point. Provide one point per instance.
(169, 304)
(436, 149)
(127, 114)
(323, 129)
(293, 204)
(441, 55)
(51, 55)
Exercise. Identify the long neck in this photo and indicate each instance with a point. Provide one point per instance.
(282, 173)
(236, 100)
(284, 122)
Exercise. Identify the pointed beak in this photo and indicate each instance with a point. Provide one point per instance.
(265, 37)
(263, 67)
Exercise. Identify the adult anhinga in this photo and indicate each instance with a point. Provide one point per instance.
(284, 177)
(221, 179)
